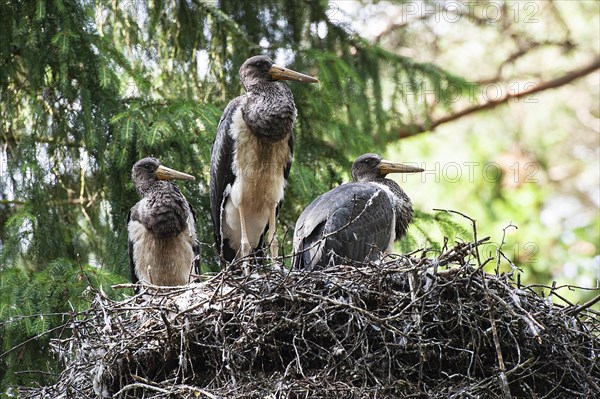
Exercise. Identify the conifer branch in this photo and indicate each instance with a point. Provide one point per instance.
(71, 201)
(42, 139)
(413, 130)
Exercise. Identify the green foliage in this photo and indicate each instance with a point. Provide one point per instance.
(429, 230)
(35, 306)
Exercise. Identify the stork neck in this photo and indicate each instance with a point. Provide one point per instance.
(144, 190)
(158, 188)
(256, 86)
(390, 184)
(270, 111)
(150, 188)
(144, 186)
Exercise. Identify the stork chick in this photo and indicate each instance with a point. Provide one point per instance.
(163, 246)
(356, 221)
(251, 159)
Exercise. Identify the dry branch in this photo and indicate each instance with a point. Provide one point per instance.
(567, 78)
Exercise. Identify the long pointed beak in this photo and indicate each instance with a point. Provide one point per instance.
(164, 173)
(278, 72)
(393, 167)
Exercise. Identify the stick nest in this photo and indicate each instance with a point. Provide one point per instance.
(411, 327)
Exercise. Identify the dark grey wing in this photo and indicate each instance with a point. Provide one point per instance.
(361, 227)
(307, 233)
(134, 278)
(196, 245)
(405, 212)
(352, 221)
(221, 172)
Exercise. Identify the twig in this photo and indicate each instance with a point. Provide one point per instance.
(503, 379)
(499, 248)
(578, 309)
(473, 225)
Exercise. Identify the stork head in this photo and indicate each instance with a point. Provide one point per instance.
(260, 68)
(369, 167)
(147, 171)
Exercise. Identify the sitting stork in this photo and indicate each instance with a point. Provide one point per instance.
(163, 246)
(355, 221)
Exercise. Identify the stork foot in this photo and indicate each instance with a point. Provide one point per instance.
(245, 268)
(245, 250)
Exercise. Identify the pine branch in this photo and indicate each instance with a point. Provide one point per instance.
(72, 201)
(42, 139)
(413, 130)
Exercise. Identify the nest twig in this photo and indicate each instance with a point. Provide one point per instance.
(411, 327)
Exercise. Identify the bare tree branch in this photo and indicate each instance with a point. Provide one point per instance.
(413, 130)
(407, 19)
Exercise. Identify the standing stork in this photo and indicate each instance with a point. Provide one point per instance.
(251, 158)
(356, 221)
(163, 246)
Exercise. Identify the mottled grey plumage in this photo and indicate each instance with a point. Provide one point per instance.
(163, 246)
(356, 221)
(251, 157)
(268, 106)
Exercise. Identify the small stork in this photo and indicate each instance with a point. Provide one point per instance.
(355, 221)
(251, 158)
(163, 246)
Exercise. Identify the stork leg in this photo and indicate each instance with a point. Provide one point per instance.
(274, 245)
(245, 247)
(149, 271)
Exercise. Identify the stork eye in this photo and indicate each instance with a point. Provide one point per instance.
(148, 165)
(262, 64)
